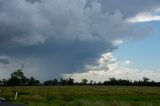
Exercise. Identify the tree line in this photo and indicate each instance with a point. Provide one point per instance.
(18, 78)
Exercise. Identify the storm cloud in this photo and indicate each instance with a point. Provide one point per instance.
(62, 36)
(109, 67)
(4, 61)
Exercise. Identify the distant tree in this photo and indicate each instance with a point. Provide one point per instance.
(33, 82)
(48, 83)
(84, 81)
(55, 82)
(18, 74)
(123, 82)
(99, 83)
(13, 81)
(106, 83)
(91, 82)
(17, 78)
(70, 81)
(63, 81)
(94, 83)
(145, 80)
(1, 83)
(112, 81)
(4, 82)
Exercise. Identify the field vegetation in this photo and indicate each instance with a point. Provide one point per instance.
(83, 95)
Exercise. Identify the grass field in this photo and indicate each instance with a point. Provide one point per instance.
(84, 95)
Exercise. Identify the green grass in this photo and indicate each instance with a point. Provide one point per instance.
(84, 95)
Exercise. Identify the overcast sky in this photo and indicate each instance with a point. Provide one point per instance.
(80, 38)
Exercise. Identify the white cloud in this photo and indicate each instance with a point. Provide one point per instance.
(153, 15)
(127, 62)
(109, 67)
(143, 18)
(117, 42)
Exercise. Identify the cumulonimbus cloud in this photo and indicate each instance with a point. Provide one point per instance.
(109, 67)
(64, 35)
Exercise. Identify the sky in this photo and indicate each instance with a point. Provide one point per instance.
(92, 39)
(144, 53)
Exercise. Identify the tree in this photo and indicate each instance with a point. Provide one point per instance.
(1, 83)
(70, 81)
(17, 78)
(13, 81)
(55, 82)
(48, 83)
(63, 81)
(51, 82)
(18, 74)
(33, 82)
(145, 80)
(112, 81)
(91, 82)
(84, 81)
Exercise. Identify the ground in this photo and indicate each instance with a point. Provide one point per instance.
(5, 103)
(83, 95)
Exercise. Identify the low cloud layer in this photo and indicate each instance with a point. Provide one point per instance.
(53, 37)
(109, 67)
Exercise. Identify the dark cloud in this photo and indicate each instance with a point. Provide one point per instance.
(4, 61)
(130, 7)
(33, 1)
(64, 35)
(61, 57)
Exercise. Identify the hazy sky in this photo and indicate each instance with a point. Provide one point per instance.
(80, 38)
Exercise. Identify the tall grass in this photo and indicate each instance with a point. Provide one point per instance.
(83, 95)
